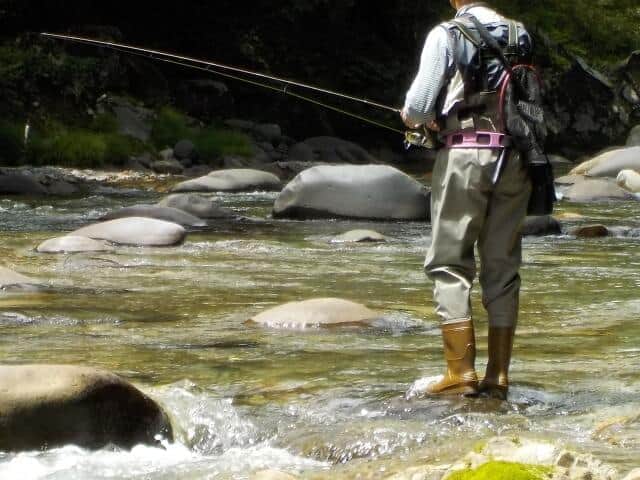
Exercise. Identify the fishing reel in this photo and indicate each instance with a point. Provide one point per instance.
(424, 138)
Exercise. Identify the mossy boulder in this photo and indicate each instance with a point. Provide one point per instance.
(503, 471)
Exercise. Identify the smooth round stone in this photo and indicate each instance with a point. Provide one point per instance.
(612, 163)
(196, 205)
(584, 167)
(234, 180)
(569, 179)
(73, 244)
(376, 192)
(591, 231)
(168, 214)
(315, 312)
(9, 278)
(139, 231)
(593, 190)
(629, 180)
(358, 236)
(48, 406)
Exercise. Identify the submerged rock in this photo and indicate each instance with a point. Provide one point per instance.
(48, 406)
(358, 236)
(168, 214)
(198, 205)
(315, 312)
(146, 232)
(234, 180)
(540, 226)
(591, 231)
(14, 280)
(73, 244)
(375, 192)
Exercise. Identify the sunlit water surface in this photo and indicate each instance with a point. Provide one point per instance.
(322, 403)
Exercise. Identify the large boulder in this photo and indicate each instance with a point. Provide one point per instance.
(634, 137)
(314, 313)
(197, 205)
(234, 180)
(20, 184)
(629, 180)
(168, 214)
(330, 150)
(140, 231)
(133, 120)
(14, 280)
(376, 192)
(47, 406)
(593, 190)
(73, 244)
(612, 163)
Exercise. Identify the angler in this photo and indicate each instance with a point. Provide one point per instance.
(481, 185)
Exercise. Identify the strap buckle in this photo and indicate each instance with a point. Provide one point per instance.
(477, 139)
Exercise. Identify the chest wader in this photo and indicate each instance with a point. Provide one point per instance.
(480, 193)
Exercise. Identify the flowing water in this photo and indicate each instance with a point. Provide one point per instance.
(319, 402)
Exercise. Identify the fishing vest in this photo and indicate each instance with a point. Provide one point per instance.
(471, 102)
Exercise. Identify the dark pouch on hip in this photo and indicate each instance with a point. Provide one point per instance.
(543, 191)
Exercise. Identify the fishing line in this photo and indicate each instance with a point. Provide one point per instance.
(131, 48)
(285, 90)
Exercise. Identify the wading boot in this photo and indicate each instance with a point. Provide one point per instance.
(496, 380)
(460, 354)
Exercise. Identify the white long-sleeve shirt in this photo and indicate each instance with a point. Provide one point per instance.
(436, 60)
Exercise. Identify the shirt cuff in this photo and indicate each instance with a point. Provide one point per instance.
(417, 117)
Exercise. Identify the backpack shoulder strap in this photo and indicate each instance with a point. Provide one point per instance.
(467, 31)
(514, 41)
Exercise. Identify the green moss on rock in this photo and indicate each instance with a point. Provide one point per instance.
(503, 471)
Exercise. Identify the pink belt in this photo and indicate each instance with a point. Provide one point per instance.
(473, 139)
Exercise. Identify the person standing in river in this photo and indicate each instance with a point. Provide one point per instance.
(480, 193)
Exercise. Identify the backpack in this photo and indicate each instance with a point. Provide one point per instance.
(520, 109)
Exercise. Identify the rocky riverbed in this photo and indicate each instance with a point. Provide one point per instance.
(318, 389)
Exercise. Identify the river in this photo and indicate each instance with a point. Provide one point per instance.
(322, 403)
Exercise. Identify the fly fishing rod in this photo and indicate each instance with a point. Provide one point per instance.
(412, 138)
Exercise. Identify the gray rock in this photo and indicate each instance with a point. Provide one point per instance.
(73, 244)
(358, 236)
(301, 153)
(629, 180)
(185, 149)
(236, 124)
(168, 214)
(235, 162)
(20, 184)
(48, 406)
(172, 167)
(166, 154)
(612, 163)
(569, 179)
(196, 171)
(330, 150)
(147, 232)
(375, 192)
(540, 226)
(235, 180)
(133, 120)
(267, 131)
(634, 137)
(10, 279)
(146, 160)
(315, 312)
(196, 205)
(61, 188)
(593, 190)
